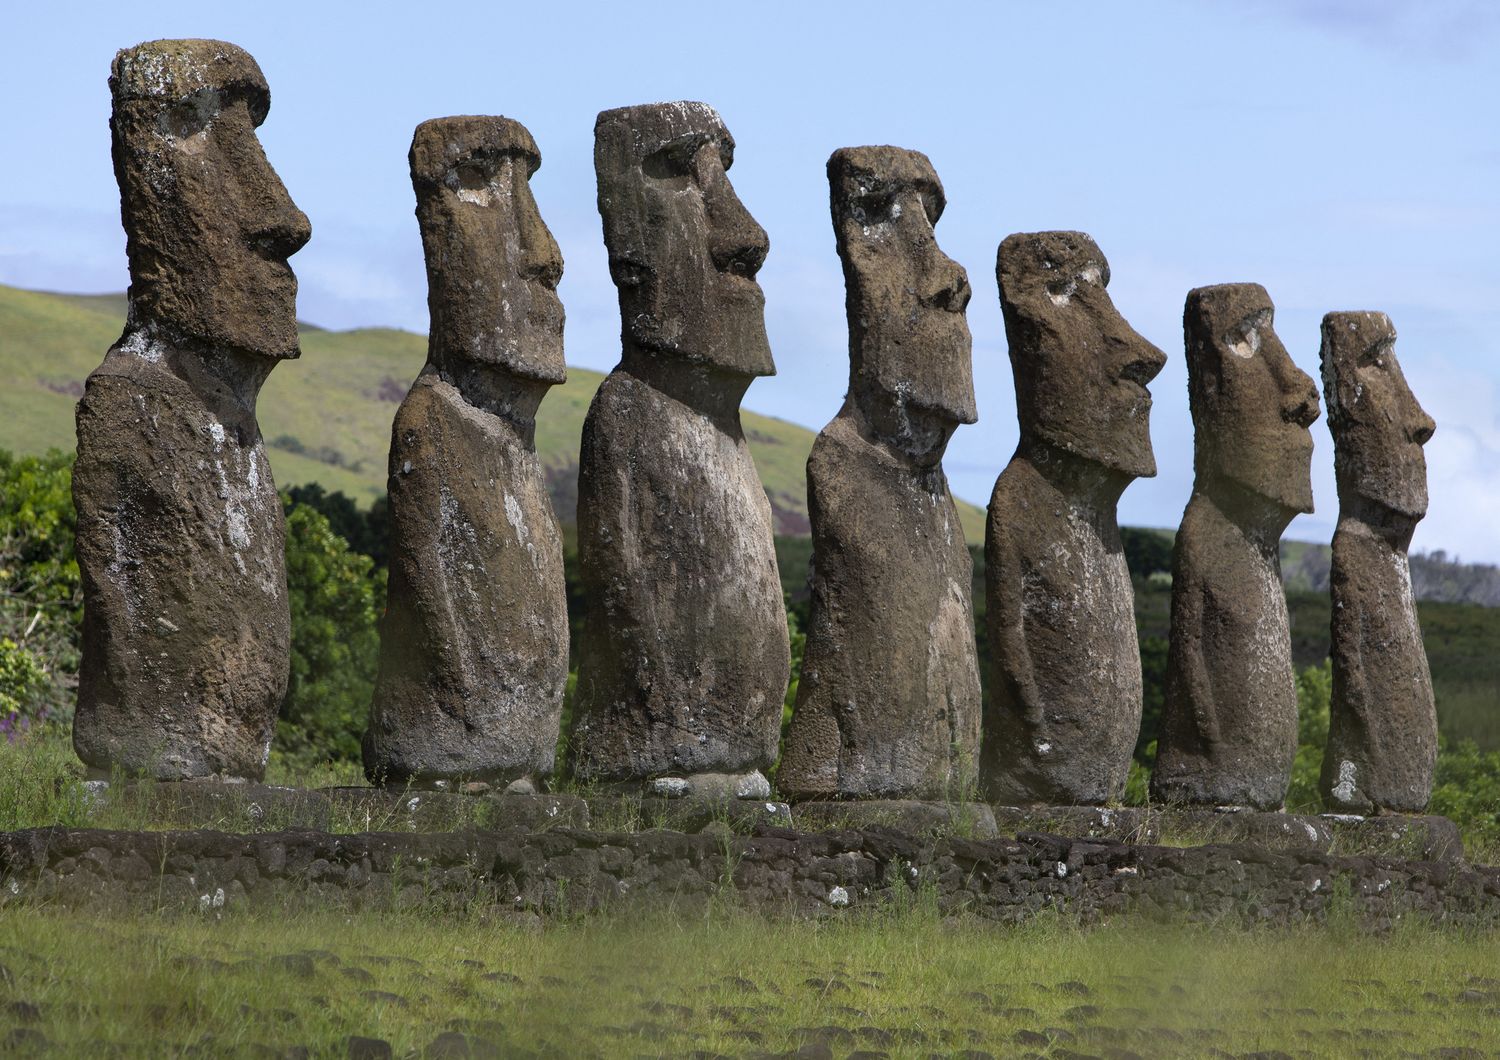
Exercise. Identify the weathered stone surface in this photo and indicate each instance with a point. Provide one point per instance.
(684, 658)
(634, 813)
(566, 872)
(888, 702)
(1425, 838)
(1229, 723)
(1382, 731)
(1065, 699)
(474, 643)
(972, 820)
(180, 532)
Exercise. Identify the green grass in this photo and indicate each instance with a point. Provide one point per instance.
(327, 416)
(903, 983)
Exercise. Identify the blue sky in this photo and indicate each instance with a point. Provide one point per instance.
(1344, 153)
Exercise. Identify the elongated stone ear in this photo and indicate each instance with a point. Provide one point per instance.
(684, 658)
(474, 644)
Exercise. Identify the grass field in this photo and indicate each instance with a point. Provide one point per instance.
(898, 983)
(327, 416)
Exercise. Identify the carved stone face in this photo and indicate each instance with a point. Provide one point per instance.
(1378, 427)
(209, 225)
(909, 344)
(683, 250)
(1251, 405)
(1080, 369)
(492, 265)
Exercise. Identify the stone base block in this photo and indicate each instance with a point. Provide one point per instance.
(639, 813)
(1425, 838)
(971, 820)
(221, 805)
(389, 810)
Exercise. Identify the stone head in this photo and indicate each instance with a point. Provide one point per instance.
(1251, 405)
(910, 352)
(1378, 427)
(1080, 369)
(209, 226)
(683, 250)
(492, 265)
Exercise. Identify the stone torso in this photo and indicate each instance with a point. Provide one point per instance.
(1066, 693)
(474, 644)
(1229, 723)
(1382, 731)
(888, 702)
(181, 549)
(683, 661)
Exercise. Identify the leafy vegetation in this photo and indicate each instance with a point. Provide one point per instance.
(41, 597)
(336, 596)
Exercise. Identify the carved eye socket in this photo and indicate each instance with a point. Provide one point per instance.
(1377, 356)
(183, 120)
(472, 176)
(875, 207)
(675, 160)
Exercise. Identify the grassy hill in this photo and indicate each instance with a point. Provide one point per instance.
(327, 417)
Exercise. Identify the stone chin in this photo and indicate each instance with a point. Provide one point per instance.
(1285, 482)
(1400, 488)
(736, 344)
(1125, 451)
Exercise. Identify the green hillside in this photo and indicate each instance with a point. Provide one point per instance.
(327, 417)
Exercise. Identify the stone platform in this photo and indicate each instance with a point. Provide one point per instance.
(567, 871)
(1425, 838)
(265, 808)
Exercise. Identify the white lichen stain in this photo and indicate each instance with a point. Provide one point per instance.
(517, 520)
(1344, 789)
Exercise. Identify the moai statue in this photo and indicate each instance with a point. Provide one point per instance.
(683, 662)
(888, 703)
(474, 644)
(1382, 732)
(1065, 699)
(186, 627)
(1229, 723)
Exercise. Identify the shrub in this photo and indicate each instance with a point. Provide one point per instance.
(1466, 789)
(1314, 693)
(41, 601)
(335, 595)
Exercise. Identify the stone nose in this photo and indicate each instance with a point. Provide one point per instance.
(1299, 398)
(736, 242)
(1140, 360)
(541, 259)
(1422, 425)
(948, 284)
(279, 229)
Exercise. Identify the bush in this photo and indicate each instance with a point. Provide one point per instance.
(1466, 789)
(41, 601)
(335, 596)
(1314, 693)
